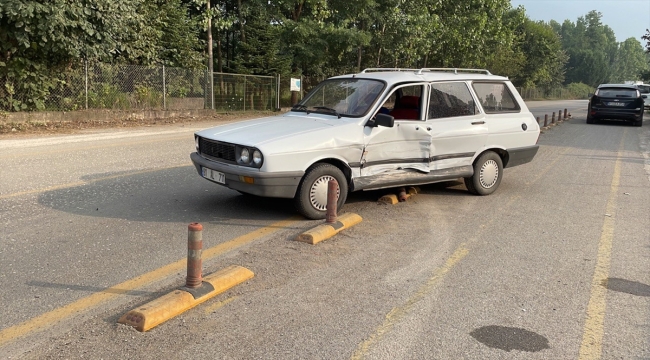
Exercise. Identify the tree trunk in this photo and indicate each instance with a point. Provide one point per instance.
(241, 22)
(383, 29)
(359, 59)
(297, 11)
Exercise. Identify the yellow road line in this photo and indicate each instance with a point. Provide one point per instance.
(56, 315)
(592, 337)
(80, 183)
(398, 313)
(218, 305)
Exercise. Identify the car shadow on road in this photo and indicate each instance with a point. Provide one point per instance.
(626, 286)
(168, 195)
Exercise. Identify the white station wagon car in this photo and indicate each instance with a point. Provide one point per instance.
(377, 129)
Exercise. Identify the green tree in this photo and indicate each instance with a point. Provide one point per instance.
(40, 40)
(630, 61)
(545, 58)
(591, 47)
(175, 33)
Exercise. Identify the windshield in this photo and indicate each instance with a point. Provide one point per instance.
(342, 97)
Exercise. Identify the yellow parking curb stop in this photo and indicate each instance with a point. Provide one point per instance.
(326, 231)
(178, 301)
(390, 199)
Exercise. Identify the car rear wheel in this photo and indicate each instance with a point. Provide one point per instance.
(488, 171)
(311, 197)
(639, 122)
(590, 119)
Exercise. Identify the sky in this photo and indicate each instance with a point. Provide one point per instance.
(628, 18)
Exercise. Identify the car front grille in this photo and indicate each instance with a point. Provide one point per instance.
(217, 150)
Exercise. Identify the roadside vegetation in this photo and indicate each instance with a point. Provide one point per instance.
(41, 43)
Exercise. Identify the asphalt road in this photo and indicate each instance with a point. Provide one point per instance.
(554, 265)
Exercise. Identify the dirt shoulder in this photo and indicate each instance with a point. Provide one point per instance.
(9, 130)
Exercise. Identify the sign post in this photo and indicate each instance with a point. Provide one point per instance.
(295, 87)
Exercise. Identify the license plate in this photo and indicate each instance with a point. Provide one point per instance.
(616, 104)
(214, 175)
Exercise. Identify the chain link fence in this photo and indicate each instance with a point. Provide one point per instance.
(237, 92)
(132, 87)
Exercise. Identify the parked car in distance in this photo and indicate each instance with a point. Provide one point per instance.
(377, 129)
(644, 89)
(616, 102)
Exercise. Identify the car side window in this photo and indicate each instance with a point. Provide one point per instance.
(450, 100)
(404, 103)
(495, 97)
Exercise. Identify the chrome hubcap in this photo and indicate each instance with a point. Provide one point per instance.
(489, 174)
(318, 192)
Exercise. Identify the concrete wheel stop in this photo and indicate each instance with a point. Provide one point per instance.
(333, 223)
(402, 195)
(197, 289)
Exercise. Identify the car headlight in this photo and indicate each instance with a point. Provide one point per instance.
(249, 156)
(257, 157)
(196, 143)
(245, 156)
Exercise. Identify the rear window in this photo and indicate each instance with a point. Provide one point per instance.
(495, 97)
(617, 93)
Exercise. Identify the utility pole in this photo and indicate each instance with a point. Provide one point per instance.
(210, 58)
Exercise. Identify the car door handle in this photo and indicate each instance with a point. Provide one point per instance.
(478, 122)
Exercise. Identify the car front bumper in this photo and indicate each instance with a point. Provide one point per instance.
(252, 180)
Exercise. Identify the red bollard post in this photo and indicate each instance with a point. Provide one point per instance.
(538, 120)
(194, 250)
(553, 118)
(402, 195)
(559, 115)
(332, 198)
(565, 113)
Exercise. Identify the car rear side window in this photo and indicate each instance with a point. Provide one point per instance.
(450, 100)
(495, 97)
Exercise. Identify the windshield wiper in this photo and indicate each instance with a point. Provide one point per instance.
(300, 108)
(328, 109)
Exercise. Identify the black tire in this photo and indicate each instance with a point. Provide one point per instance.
(311, 197)
(590, 119)
(488, 171)
(639, 122)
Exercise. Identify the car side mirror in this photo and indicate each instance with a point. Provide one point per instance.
(381, 120)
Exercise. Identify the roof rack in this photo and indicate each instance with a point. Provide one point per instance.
(455, 70)
(420, 71)
(386, 69)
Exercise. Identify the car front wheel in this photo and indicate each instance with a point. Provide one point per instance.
(311, 197)
(488, 171)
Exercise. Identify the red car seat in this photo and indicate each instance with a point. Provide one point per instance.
(407, 108)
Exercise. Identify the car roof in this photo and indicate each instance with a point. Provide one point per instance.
(394, 76)
(624, 86)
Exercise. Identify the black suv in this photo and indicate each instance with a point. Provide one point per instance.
(616, 102)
